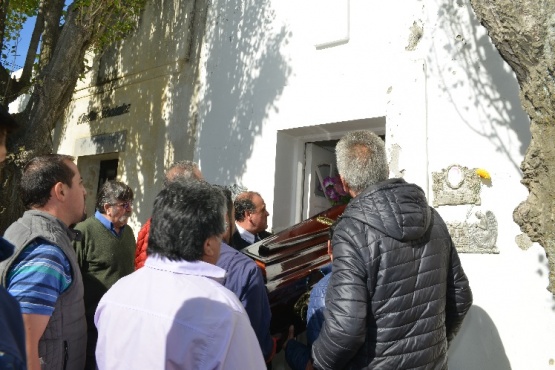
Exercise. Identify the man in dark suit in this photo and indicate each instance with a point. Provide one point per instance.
(251, 219)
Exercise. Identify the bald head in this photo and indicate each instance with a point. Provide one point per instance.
(250, 212)
(182, 171)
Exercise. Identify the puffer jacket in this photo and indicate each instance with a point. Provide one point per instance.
(397, 293)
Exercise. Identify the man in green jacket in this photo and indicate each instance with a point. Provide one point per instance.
(105, 252)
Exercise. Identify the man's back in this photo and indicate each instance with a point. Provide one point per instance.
(181, 320)
(244, 278)
(397, 276)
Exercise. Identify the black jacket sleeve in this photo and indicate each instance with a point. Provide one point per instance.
(459, 295)
(344, 329)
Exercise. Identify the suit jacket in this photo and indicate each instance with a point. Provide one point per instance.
(240, 243)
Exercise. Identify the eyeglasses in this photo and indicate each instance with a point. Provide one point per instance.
(126, 205)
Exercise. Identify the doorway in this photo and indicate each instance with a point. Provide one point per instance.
(95, 171)
(108, 171)
(319, 165)
(298, 152)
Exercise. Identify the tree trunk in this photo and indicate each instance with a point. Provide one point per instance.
(48, 100)
(523, 33)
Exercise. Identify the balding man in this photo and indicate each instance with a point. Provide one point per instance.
(251, 219)
(182, 171)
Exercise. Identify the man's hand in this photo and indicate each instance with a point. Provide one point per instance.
(290, 335)
(34, 329)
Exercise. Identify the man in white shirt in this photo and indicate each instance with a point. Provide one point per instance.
(174, 313)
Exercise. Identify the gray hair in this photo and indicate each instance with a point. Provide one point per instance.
(182, 171)
(361, 160)
(112, 192)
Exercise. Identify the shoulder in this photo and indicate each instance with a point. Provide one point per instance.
(228, 298)
(42, 251)
(232, 258)
(41, 258)
(86, 225)
(145, 229)
(128, 233)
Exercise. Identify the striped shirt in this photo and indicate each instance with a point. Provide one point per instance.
(38, 276)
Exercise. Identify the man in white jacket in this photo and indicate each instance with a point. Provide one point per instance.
(174, 313)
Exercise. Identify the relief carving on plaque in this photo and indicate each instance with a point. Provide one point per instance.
(456, 185)
(476, 237)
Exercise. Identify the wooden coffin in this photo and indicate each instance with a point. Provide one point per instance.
(290, 261)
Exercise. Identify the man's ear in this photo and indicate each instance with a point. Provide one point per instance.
(106, 207)
(58, 191)
(209, 245)
(346, 187)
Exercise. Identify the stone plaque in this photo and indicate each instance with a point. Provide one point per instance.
(478, 237)
(100, 144)
(456, 185)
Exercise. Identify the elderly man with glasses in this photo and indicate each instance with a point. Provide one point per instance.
(106, 251)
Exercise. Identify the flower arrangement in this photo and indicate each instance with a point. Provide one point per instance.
(333, 189)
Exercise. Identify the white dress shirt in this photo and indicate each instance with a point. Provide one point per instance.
(174, 315)
(245, 235)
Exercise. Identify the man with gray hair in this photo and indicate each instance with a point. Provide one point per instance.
(105, 252)
(184, 317)
(397, 294)
(181, 171)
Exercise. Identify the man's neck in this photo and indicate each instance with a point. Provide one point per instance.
(52, 211)
(244, 226)
(245, 234)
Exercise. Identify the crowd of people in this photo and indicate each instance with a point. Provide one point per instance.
(82, 293)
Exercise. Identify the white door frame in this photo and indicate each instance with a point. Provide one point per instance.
(290, 163)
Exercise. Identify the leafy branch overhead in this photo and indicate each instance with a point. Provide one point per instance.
(99, 22)
(63, 33)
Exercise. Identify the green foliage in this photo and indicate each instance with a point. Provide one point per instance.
(119, 18)
(112, 20)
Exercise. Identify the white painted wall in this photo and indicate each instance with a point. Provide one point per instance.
(450, 101)
(266, 89)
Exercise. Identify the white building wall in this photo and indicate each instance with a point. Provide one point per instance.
(451, 100)
(424, 74)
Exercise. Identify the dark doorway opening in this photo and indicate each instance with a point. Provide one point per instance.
(108, 171)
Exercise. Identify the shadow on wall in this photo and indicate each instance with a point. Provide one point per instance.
(478, 344)
(246, 73)
(492, 88)
(150, 73)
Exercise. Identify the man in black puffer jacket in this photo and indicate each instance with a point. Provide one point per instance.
(398, 293)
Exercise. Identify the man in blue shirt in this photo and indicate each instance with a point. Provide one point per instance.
(106, 251)
(43, 274)
(12, 340)
(245, 279)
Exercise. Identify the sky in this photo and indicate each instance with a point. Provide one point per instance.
(15, 63)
